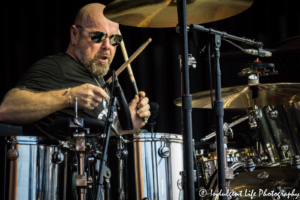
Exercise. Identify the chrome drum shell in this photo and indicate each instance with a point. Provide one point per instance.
(33, 175)
(157, 177)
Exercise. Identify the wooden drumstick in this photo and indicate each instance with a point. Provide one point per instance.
(132, 57)
(131, 76)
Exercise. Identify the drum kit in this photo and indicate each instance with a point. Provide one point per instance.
(76, 165)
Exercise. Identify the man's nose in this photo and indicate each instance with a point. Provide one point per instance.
(106, 45)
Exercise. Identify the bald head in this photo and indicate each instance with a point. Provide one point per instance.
(94, 56)
(91, 15)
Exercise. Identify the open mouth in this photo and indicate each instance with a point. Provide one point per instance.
(103, 58)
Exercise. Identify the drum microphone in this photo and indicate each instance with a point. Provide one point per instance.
(123, 109)
(154, 107)
(260, 52)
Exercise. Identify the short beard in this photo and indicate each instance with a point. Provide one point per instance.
(93, 65)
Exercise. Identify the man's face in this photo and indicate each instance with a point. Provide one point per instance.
(95, 57)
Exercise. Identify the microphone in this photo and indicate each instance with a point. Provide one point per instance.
(154, 107)
(123, 109)
(260, 52)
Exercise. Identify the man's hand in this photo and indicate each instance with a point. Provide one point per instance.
(138, 109)
(88, 96)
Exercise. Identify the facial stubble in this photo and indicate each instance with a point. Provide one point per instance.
(93, 65)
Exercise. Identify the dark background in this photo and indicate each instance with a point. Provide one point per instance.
(34, 29)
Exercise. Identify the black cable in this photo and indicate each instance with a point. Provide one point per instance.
(210, 76)
(197, 171)
(237, 46)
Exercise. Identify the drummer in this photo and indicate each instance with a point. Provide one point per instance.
(48, 89)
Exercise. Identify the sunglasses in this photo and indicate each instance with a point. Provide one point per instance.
(99, 36)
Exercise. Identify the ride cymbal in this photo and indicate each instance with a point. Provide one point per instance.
(163, 13)
(239, 97)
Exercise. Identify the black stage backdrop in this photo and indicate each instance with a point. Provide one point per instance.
(34, 29)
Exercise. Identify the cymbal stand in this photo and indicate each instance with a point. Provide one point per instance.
(104, 171)
(188, 175)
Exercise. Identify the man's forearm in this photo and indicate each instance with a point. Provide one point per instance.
(23, 106)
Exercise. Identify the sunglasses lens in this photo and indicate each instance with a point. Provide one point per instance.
(98, 37)
(115, 40)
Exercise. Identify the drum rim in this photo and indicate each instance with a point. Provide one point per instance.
(147, 137)
(32, 140)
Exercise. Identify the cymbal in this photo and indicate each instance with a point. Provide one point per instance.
(239, 97)
(163, 13)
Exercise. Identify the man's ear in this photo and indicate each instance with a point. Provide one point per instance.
(73, 34)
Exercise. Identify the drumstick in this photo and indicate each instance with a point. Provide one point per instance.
(131, 76)
(132, 57)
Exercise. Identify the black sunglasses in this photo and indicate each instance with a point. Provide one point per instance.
(99, 36)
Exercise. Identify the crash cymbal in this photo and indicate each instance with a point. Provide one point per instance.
(163, 13)
(239, 97)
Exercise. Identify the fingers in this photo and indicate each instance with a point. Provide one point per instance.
(89, 96)
(100, 92)
(143, 106)
(144, 111)
(142, 94)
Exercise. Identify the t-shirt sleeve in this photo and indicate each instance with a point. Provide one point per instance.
(44, 75)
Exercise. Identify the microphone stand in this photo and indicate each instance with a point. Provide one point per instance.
(218, 103)
(104, 171)
(188, 174)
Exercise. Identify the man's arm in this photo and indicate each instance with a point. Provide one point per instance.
(24, 106)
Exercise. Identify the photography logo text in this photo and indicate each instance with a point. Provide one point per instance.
(250, 193)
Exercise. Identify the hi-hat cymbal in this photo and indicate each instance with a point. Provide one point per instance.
(240, 97)
(163, 13)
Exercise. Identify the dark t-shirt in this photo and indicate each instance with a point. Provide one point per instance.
(57, 72)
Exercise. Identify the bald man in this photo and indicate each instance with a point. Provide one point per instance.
(43, 95)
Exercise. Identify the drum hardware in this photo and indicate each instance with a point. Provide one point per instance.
(227, 128)
(252, 123)
(191, 61)
(269, 148)
(256, 69)
(263, 175)
(272, 112)
(58, 157)
(295, 161)
(12, 153)
(103, 181)
(284, 148)
(122, 154)
(250, 164)
(164, 151)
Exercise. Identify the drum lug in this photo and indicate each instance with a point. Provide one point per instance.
(250, 164)
(263, 175)
(57, 157)
(295, 161)
(272, 113)
(227, 130)
(12, 154)
(164, 152)
(253, 123)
